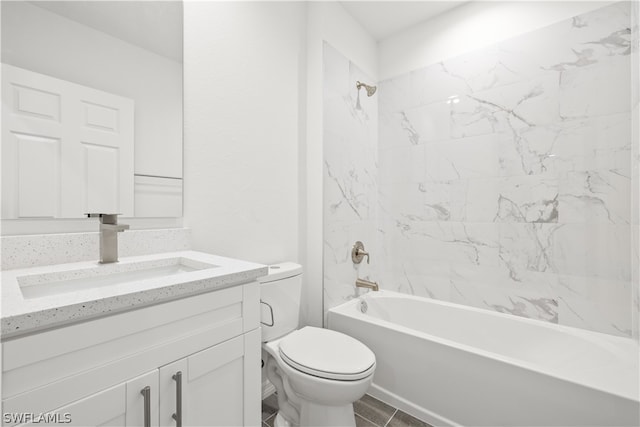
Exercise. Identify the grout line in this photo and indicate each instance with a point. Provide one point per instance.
(269, 417)
(264, 422)
(390, 418)
(367, 419)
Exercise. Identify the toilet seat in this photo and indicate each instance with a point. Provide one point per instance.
(327, 354)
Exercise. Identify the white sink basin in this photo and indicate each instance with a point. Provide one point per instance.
(63, 282)
(41, 297)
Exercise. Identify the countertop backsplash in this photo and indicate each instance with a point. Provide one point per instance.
(48, 249)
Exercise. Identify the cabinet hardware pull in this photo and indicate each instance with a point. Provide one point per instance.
(178, 414)
(146, 392)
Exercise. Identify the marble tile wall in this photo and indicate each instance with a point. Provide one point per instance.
(505, 177)
(350, 126)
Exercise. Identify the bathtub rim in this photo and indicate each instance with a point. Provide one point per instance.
(349, 309)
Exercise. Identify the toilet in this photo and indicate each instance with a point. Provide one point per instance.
(317, 373)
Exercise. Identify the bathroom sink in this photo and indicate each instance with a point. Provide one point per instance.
(46, 296)
(105, 275)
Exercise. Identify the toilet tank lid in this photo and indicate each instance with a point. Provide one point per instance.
(281, 271)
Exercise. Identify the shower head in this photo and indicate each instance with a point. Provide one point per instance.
(370, 89)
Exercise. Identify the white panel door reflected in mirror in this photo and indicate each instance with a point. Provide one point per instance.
(131, 50)
(66, 149)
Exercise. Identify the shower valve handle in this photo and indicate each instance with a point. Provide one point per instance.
(358, 252)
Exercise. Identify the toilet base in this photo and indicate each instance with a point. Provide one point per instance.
(279, 421)
(321, 416)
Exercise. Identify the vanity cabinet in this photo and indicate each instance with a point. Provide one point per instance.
(199, 357)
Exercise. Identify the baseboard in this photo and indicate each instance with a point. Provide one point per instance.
(410, 408)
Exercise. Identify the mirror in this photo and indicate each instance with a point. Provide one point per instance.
(91, 108)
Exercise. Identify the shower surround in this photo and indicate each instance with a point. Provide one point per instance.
(499, 179)
(505, 176)
(350, 125)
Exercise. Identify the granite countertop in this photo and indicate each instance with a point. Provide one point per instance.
(25, 311)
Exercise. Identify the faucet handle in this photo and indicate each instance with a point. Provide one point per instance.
(358, 252)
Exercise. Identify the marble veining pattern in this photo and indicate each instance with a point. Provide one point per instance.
(505, 176)
(350, 128)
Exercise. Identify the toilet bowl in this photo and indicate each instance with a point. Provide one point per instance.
(318, 373)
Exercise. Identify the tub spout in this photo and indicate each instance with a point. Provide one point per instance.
(362, 283)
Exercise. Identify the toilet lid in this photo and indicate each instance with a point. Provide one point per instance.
(327, 354)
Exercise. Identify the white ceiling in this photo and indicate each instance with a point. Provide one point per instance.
(151, 25)
(157, 25)
(382, 19)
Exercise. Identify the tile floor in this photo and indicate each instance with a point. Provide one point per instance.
(370, 412)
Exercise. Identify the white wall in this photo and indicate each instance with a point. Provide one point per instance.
(469, 27)
(253, 128)
(243, 66)
(47, 43)
(330, 22)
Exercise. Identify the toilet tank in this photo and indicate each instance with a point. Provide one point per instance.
(280, 293)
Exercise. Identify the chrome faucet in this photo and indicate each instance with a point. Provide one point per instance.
(362, 283)
(109, 229)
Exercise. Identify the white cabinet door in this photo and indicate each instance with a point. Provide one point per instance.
(214, 387)
(67, 149)
(122, 405)
(135, 404)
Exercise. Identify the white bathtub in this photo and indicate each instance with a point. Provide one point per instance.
(455, 365)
